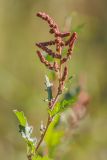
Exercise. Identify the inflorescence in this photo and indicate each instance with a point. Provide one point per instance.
(59, 44)
(56, 65)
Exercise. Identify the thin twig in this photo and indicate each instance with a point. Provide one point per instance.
(47, 125)
(42, 136)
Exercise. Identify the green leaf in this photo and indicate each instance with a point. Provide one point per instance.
(69, 98)
(20, 116)
(55, 109)
(49, 58)
(61, 106)
(30, 147)
(26, 131)
(53, 136)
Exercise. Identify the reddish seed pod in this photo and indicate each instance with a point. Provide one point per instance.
(64, 76)
(62, 34)
(65, 73)
(57, 34)
(47, 43)
(49, 20)
(65, 34)
(49, 51)
(51, 25)
(59, 44)
(51, 31)
(55, 66)
(39, 14)
(71, 39)
(54, 29)
(64, 60)
(46, 63)
(42, 59)
(62, 43)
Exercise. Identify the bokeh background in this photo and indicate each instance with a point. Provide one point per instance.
(22, 75)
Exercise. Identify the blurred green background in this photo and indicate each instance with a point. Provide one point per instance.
(22, 75)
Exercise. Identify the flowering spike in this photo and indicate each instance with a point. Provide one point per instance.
(65, 73)
(71, 39)
(49, 51)
(47, 43)
(64, 60)
(48, 19)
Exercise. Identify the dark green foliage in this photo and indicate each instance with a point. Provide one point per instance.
(49, 58)
(68, 99)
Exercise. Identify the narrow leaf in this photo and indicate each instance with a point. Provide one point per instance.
(20, 116)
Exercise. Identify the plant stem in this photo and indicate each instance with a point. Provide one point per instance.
(52, 106)
(42, 136)
(47, 125)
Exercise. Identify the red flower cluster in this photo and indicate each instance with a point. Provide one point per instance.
(59, 44)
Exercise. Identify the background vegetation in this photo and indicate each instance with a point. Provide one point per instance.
(22, 76)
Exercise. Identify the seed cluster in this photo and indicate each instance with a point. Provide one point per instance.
(59, 44)
(49, 51)
(53, 66)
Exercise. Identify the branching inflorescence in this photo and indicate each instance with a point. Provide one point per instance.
(59, 66)
(59, 44)
(59, 60)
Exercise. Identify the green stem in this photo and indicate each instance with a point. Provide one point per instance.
(52, 106)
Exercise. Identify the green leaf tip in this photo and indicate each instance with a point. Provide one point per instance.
(21, 117)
